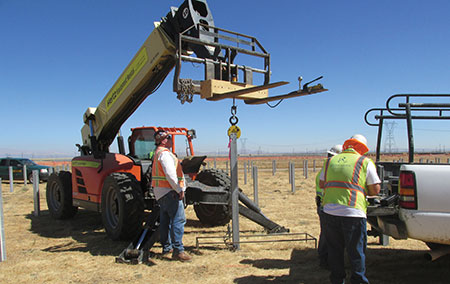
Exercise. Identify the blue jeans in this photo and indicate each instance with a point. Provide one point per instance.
(172, 220)
(348, 233)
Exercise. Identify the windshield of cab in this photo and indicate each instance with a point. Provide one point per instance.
(144, 148)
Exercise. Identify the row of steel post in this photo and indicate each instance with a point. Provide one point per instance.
(249, 167)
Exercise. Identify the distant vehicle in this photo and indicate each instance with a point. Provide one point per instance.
(17, 165)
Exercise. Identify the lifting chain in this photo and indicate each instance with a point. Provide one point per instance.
(233, 119)
(186, 94)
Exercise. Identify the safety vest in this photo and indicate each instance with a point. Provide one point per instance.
(319, 191)
(158, 176)
(345, 180)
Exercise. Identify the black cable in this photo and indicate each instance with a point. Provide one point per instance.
(274, 106)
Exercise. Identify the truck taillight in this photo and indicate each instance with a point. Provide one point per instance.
(407, 190)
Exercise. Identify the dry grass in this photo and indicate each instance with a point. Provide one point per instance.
(42, 250)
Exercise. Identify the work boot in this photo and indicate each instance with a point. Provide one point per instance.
(182, 256)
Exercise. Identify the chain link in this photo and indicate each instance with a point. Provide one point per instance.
(187, 91)
(233, 119)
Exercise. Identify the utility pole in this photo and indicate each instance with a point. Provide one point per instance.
(243, 146)
(389, 142)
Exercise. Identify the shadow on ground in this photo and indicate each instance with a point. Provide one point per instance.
(86, 230)
(87, 234)
(383, 266)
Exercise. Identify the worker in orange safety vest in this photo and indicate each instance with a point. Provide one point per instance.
(348, 178)
(169, 187)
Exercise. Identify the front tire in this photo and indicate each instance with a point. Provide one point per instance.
(59, 196)
(122, 206)
(209, 214)
(30, 178)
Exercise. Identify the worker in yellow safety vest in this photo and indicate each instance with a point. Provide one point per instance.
(322, 247)
(169, 186)
(347, 179)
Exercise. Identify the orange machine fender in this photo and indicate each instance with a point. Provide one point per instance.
(88, 174)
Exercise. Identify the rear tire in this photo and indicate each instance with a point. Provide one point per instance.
(208, 214)
(59, 196)
(122, 206)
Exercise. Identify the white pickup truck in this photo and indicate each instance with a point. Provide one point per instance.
(415, 198)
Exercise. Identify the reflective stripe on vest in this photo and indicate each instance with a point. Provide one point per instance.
(158, 176)
(345, 190)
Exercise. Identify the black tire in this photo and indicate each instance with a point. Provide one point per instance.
(122, 206)
(214, 215)
(30, 177)
(59, 196)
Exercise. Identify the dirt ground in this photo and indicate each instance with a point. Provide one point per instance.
(42, 250)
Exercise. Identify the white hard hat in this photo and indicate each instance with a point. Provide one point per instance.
(360, 138)
(357, 142)
(336, 149)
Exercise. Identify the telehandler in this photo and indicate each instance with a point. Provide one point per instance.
(118, 184)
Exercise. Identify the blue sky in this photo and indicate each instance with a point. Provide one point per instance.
(57, 58)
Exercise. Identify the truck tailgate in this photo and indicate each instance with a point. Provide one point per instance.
(430, 222)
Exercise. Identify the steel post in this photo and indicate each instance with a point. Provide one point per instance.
(245, 173)
(25, 179)
(255, 185)
(306, 168)
(235, 191)
(37, 202)
(274, 167)
(289, 172)
(292, 171)
(2, 229)
(11, 179)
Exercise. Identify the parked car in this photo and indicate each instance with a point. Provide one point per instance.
(17, 165)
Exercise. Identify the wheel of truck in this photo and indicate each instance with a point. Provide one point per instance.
(208, 214)
(122, 206)
(59, 196)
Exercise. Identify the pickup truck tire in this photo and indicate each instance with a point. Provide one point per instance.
(59, 196)
(209, 214)
(122, 206)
